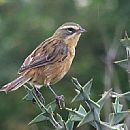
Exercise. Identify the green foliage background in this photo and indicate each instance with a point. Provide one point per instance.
(26, 23)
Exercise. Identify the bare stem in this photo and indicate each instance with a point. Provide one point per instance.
(44, 109)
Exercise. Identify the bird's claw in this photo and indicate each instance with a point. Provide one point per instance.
(39, 95)
(60, 101)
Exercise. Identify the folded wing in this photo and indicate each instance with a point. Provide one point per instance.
(48, 52)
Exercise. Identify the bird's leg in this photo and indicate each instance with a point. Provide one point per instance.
(39, 95)
(59, 99)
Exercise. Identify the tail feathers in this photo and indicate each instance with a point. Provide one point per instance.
(17, 83)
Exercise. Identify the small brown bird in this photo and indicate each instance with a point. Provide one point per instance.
(51, 60)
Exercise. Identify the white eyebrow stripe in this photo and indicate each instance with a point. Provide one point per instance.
(69, 26)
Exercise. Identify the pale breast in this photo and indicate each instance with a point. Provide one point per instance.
(59, 70)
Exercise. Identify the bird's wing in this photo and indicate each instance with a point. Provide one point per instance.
(48, 52)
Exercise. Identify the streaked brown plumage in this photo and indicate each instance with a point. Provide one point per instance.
(51, 60)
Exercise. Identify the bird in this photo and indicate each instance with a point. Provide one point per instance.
(51, 59)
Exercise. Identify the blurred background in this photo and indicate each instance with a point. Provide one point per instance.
(26, 23)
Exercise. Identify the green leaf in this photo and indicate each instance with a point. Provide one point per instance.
(82, 92)
(117, 106)
(126, 95)
(115, 118)
(52, 105)
(99, 126)
(92, 104)
(82, 110)
(104, 126)
(75, 115)
(89, 117)
(87, 87)
(126, 40)
(50, 110)
(76, 83)
(69, 124)
(39, 118)
(29, 96)
(86, 90)
(123, 64)
(93, 114)
(60, 120)
(104, 98)
(78, 97)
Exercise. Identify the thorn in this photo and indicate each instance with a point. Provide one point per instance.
(126, 35)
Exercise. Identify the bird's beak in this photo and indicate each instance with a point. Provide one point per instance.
(81, 30)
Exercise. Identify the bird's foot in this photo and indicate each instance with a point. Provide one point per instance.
(60, 101)
(39, 95)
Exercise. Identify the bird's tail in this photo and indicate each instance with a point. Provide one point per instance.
(15, 84)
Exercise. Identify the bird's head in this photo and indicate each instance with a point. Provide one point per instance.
(69, 31)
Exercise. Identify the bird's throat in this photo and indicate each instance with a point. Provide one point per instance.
(72, 41)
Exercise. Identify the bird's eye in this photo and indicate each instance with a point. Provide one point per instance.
(70, 30)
